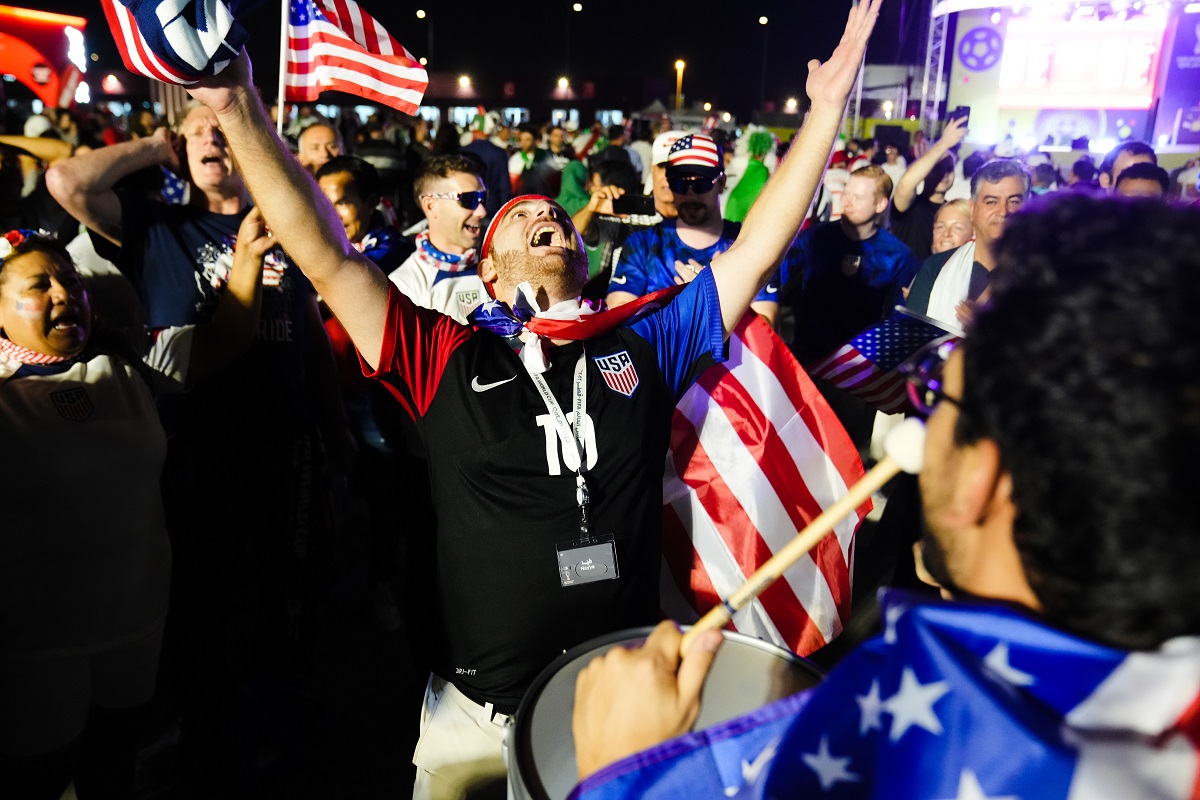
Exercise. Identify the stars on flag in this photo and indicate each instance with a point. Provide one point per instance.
(892, 615)
(829, 769)
(969, 789)
(997, 661)
(913, 705)
(870, 709)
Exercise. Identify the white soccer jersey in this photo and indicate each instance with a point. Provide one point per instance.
(84, 555)
(455, 295)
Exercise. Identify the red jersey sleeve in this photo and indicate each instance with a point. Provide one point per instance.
(417, 344)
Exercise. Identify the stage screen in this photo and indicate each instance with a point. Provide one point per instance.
(1084, 63)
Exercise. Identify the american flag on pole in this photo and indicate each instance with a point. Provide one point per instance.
(335, 45)
(866, 365)
(756, 454)
(175, 41)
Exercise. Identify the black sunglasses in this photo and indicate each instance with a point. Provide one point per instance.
(471, 200)
(924, 371)
(698, 184)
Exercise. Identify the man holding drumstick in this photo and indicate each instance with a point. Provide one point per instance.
(555, 452)
(1057, 493)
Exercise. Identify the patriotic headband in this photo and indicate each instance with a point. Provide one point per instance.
(696, 150)
(10, 241)
(504, 209)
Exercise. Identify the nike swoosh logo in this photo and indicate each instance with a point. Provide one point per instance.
(621, 279)
(483, 387)
(772, 291)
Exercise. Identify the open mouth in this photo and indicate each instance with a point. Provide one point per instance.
(471, 228)
(212, 160)
(546, 236)
(67, 321)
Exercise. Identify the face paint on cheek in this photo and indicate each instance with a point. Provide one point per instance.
(30, 308)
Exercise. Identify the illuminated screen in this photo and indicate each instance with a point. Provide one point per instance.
(1081, 64)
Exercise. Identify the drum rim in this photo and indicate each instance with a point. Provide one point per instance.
(521, 756)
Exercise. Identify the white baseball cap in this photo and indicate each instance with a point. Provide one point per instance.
(662, 146)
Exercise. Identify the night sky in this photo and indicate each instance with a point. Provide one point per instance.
(723, 50)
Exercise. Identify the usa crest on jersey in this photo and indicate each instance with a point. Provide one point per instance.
(73, 404)
(618, 372)
(467, 301)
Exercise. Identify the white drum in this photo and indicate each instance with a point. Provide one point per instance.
(747, 673)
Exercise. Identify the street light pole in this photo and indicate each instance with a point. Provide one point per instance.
(679, 65)
(762, 86)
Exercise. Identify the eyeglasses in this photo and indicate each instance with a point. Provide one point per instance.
(924, 371)
(698, 184)
(469, 200)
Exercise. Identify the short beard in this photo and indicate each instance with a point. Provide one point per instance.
(693, 214)
(564, 275)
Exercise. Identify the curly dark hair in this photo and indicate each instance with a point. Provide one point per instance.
(1085, 370)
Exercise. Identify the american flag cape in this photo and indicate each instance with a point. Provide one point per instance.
(866, 365)
(175, 41)
(954, 700)
(336, 45)
(756, 454)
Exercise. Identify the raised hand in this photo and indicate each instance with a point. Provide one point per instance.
(954, 132)
(221, 92)
(830, 83)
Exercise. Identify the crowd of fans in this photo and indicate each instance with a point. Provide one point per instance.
(136, 268)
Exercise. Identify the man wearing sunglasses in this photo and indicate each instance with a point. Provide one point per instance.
(442, 273)
(676, 250)
(1063, 659)
(547, 422)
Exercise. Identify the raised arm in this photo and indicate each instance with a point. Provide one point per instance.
(83, 184)
(217, 343)
(49, 150)
(299, 216)
(906, 189)
(742, 270)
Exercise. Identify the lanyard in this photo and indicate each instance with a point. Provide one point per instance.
(571, 436)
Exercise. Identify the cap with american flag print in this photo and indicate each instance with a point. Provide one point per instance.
(697, 153)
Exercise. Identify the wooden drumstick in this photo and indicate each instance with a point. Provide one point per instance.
(905, 447)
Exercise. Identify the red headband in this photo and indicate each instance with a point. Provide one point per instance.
(504, 209)
(495, 223)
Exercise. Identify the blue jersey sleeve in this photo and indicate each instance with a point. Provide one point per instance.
(631, 273)
(770, 292)
(687, 334)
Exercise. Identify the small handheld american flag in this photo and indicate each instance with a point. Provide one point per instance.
(866, 365)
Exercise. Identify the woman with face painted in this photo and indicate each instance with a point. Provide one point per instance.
(84, 556)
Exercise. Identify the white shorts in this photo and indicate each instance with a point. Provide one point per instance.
(44, 697)
(462, 744)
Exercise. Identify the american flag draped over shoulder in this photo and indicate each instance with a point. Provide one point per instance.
(969, 701)
(756, 454)
(177, 41)
(866, 365)
(336, 45)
